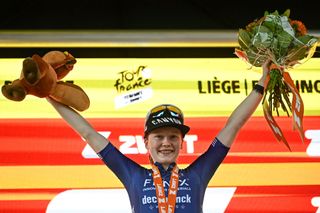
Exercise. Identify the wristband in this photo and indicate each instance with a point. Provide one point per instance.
(258, 88)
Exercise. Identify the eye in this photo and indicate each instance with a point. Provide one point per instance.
(158, 137)
(174, 137)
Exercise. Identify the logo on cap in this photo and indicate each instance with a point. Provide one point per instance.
(165, 115)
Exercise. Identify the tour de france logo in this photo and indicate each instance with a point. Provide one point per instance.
(133, 86)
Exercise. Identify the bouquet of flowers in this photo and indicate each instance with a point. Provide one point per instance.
(286, 43)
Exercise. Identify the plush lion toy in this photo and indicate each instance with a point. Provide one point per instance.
(40, 76)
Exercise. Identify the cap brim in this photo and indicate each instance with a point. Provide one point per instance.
(183, 128)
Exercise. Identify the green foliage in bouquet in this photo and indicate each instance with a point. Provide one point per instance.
(282, 40)
(277, 37)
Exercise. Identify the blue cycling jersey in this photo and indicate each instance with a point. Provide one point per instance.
(138, 181)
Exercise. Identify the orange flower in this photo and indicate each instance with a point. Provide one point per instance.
(298, 27)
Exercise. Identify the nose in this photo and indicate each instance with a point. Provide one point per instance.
(166, 141)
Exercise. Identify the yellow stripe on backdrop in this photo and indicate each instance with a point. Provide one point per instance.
(201, 87)
(27, 196)
(99, 176)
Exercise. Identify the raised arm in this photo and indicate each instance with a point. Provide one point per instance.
(96, 141)
(243, 111)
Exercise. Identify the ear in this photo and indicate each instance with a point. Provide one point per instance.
(146, 142)
(182, 139)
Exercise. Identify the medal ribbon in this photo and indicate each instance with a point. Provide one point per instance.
(166, 205)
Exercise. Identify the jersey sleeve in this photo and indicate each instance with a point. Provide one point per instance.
(207, 163)
(122, 166)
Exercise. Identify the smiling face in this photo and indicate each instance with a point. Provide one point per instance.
(164, 145)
